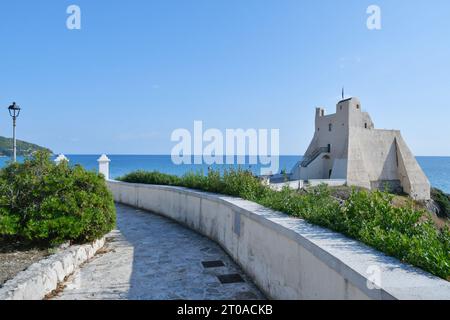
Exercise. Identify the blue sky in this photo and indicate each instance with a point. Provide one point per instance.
(139, 69)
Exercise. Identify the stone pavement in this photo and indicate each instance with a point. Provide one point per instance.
(150, 257)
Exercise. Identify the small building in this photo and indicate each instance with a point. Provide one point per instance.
(346, 146)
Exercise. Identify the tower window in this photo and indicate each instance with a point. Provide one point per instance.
(330, 127)
(365, 125)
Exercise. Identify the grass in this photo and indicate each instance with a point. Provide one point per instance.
(404, 232)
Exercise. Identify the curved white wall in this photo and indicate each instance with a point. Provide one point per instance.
(286, 257)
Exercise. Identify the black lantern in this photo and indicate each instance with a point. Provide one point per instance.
(14, 110)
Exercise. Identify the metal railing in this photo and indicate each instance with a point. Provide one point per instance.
(308, 159)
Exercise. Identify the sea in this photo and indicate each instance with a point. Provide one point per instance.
(437, 169)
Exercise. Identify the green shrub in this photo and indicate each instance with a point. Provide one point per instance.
(48, 203)
(370, 217)
(151, 178)
(243, 184)
(194, 181)
(442, 200)
(405, 233)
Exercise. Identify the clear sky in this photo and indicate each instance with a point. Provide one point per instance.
(138, 69)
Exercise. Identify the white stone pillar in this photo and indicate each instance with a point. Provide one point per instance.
(103, 165)
(61, 158)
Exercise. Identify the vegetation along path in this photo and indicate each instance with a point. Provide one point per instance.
(151, 257)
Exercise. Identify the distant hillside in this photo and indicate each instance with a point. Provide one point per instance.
(23, 148)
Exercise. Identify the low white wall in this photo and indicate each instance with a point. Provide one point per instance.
(286, 257)
(294, 185)
(328, 182)
(42, 277)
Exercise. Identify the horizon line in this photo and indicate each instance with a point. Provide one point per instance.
(194, 155)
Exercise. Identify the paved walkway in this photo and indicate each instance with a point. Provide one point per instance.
(151, 257)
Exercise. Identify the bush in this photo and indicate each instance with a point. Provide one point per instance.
(405, 233)
(47, 203)
(239, 183)
(152, 178)
(370, 217)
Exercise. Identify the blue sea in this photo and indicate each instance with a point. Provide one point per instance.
(436, 168)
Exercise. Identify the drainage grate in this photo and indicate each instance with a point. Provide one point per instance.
(213, 264)
(230, 278)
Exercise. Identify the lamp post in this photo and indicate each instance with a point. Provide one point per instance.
(14, 111)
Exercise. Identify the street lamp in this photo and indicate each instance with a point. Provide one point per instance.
(14, 111)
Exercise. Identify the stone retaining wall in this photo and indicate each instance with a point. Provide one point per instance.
(287, 258)
(43, 277)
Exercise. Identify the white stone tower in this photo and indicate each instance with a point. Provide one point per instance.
(347, 146)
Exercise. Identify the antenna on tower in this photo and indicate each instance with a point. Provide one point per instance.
(343, 93)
